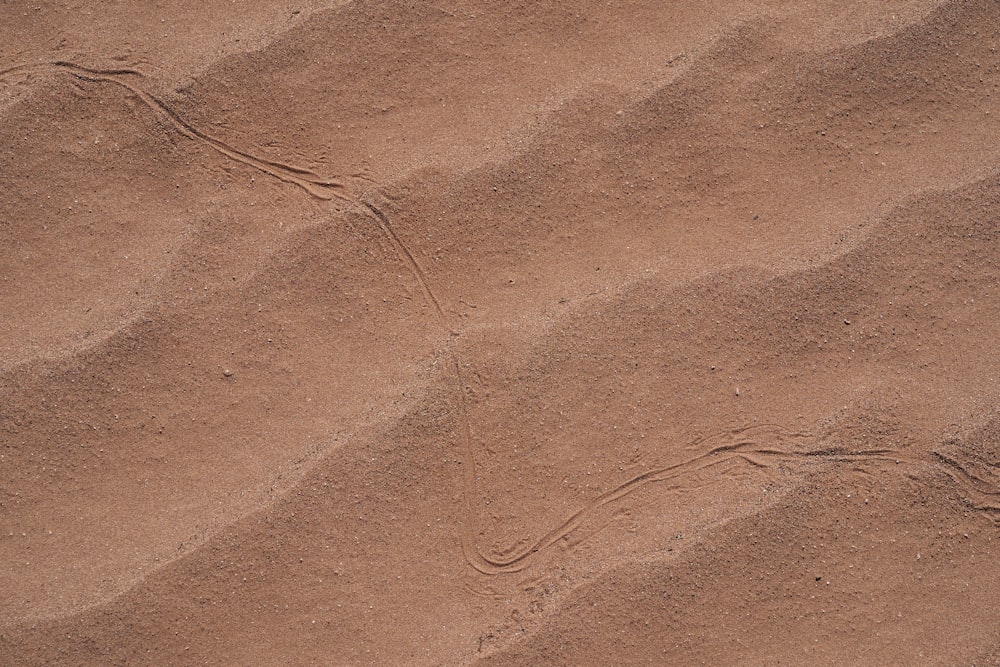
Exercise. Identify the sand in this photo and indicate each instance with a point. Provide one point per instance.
(512, 333)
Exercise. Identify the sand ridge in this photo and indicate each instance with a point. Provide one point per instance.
(524, 333)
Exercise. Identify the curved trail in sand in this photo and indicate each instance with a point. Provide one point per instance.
(748, 445)
(475, 404)
(324, 189)
(754, 445)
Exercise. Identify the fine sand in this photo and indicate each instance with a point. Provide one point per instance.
(501, 333)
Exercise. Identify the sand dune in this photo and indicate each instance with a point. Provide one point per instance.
(513, 333)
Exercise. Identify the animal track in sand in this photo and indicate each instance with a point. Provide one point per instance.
(316, 186)
(759, 446)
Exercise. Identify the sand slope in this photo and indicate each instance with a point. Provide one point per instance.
(515, 333)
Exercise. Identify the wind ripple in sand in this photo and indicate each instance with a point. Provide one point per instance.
(587, 250)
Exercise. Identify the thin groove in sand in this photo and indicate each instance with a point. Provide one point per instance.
(745, 444)
(315, 185)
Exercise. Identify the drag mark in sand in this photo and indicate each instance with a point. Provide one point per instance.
(404, 253)
(315, 185)
(467, 531)
(758, 446)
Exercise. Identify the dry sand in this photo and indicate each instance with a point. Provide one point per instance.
(500, 332)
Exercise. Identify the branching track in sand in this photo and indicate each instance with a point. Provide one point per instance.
(759, 446)
(315, 185)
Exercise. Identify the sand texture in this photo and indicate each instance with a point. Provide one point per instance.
(500, 333)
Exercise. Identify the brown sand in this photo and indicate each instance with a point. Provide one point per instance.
(515, 333)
